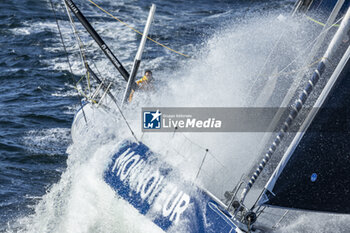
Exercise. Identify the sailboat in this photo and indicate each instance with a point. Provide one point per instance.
(310, 176)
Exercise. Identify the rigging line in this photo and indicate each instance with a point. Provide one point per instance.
(320, 23)
(302, 53)
(103, 79)
(200, 167)
(92, 61)
(194, 142)
(260, 212)
(84, 95)
(186, 159)
(256, 201)
(311, 43)
(126, 121)
(74, 30)
(114, 100)
(82, 48)
(280, 220)
(300, 101)
(137, 31)
(67, 56)
(267, 59)
(62, 41)
(212, 155)
(217, 160)
(324, 31)
(80, 43)
(83, 52)
(176, 150)
(291, 72)
(143, 133)
(298, 70)
(173, 149)
(81, 91)
(76, 34)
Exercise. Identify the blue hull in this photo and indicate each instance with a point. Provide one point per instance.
(156, 191)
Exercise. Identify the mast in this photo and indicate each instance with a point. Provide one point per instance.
(97, 38)
(138, 56)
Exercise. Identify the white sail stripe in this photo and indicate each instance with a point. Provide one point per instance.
(305, 92)
(300, 101)
(311, 83)
(318, 73)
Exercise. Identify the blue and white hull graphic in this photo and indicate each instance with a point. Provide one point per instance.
(153, 188)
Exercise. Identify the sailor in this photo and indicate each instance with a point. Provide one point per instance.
(144, 83)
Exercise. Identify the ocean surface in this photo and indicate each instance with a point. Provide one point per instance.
(38, 100)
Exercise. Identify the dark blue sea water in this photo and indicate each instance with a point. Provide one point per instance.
(37, 96)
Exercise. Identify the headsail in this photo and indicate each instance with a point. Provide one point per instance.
(314, 172)
(317, 175)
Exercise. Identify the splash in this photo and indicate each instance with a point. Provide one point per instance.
(227, 66)
(47, 141)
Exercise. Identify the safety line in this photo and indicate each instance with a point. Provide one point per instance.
(80, 43)
(66, 53)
